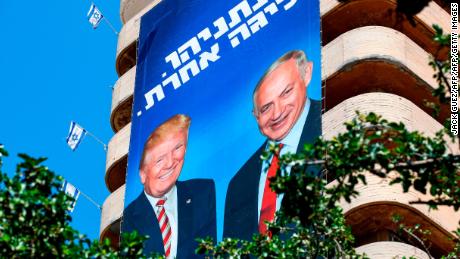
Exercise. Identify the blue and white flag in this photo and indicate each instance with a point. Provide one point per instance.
(72, 191)
(76, 134)
(94, 16)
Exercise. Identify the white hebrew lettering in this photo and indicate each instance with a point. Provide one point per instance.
(235, 17)
(209, 56)
(174, 59)
(243, 30)
(174, 79)
(183, 72)
(205, 34)
(222, 27)
(290, 4)
(158, 91)
(271, 9)
(193, 44)
(257, 22)
(259, 4)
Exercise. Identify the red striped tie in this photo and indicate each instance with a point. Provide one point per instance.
(164, 226)
(268, 208)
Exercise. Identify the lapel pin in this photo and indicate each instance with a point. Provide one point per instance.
(189, 201)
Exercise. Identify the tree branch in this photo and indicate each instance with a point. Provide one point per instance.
(419, 240)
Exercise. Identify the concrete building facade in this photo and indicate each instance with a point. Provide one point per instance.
(372, 60)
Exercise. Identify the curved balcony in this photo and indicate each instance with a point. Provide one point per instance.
(117, 158)
(360, 13)
(372, 211)
(390, 106)
(126, 47)
(130, 8)
(112, 210)
(127, 38)
(122, 100)
(378, 59)
(388, 249)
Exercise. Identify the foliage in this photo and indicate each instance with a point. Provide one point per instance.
(314, 227)
(416, 234)
(35, 223)
(370, 144)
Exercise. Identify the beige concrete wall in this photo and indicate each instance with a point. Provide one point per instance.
(129, 33)
(112, 209)
(378, 191)
(391, 250)
(116, 151)
(376, 42)
(124, 88)
(130, 8)
(432, 14)
(121, 95)
(390, 106)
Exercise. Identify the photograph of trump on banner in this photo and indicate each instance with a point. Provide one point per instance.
(172, 213)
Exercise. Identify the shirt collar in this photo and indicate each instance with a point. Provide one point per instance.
(293, 137)
(167, 196)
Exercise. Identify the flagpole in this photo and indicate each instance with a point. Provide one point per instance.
(91, 200)
(97, 139)
(110, 25)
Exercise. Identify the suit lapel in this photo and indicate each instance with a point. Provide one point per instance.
(312, 127)
(311, 130)
(147, 222)
(185, 218)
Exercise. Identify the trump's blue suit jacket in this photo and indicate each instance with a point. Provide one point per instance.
(241, 203)
(196, 209)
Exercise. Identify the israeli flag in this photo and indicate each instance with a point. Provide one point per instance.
(94, 16)
(76, 134)
(72, 191)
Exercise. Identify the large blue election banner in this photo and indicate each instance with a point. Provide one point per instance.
(215, 80)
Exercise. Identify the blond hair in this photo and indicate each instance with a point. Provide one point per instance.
(175, 124)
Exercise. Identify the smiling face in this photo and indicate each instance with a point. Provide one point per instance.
(163, 163)
(280, 99)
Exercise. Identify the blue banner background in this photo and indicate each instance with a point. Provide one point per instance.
(223, 132)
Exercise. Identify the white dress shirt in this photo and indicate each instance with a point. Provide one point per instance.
(290, 144)
(171, 211)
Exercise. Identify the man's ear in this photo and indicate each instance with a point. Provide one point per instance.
(308, 73)
(142, 175)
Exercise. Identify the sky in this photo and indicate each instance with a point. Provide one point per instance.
(55, 68)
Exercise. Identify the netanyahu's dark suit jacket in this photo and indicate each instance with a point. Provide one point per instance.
(196, 212)
(241, 203)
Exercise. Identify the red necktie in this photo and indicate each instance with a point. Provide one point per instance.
(164, 226)
(268, 208)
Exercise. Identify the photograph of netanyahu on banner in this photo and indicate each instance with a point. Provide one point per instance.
(172, 213)
(285, 116)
